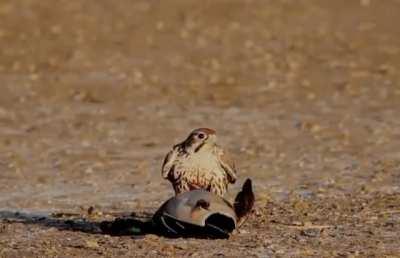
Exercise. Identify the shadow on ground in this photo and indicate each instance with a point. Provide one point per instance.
(77, 222)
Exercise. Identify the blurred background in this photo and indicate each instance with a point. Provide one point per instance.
(94, 94)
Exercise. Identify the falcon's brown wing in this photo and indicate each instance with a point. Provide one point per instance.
(168, 163)
(228, 165)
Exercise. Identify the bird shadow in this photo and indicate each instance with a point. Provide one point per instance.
(128, 224)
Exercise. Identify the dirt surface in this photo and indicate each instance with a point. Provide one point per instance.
(304, 93)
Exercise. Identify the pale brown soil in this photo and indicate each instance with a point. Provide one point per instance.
(304, 93)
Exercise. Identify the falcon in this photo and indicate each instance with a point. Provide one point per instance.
(199, 163)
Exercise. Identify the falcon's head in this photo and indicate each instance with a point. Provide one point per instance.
(200, 138)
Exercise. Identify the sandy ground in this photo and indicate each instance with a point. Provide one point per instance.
(304, 93)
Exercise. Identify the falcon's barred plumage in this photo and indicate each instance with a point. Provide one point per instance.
(199, 163)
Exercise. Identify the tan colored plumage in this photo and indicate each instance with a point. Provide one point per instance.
(199, 163)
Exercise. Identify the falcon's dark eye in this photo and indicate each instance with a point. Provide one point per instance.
(201, 135)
